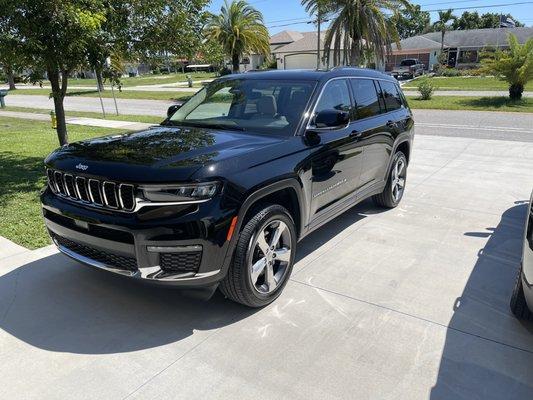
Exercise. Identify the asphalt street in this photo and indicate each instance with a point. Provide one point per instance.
(410, 303)
(471, 124)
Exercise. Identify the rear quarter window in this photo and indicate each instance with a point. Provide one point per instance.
(391, 96)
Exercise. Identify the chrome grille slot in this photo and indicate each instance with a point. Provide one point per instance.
(95, 193)
(126, 196)
(69, 186)
(51, 180)
(92, 192)
(110, 194)
(60, 184)
(81, 187)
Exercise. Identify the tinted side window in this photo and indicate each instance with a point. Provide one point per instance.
(365, 98)
(335, 96)
(391, 95)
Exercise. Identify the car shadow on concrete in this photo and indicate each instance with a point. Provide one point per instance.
(59, 305)
(488, 354)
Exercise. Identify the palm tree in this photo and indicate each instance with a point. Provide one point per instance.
(358, 27)
(443, 24)
(515, 65)
(239, 28)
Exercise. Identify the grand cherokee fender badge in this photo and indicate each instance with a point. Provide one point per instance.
(329, 188)
(81, 166)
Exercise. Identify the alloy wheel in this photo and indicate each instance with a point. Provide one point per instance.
(398, 179)
(270, 255)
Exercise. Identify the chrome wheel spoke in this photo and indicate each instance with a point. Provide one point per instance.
(401, 182)
(276, 235)
(270, 280)
(262, 243)
(258, 268)
(283, 254)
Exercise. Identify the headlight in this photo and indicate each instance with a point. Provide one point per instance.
(180, 193)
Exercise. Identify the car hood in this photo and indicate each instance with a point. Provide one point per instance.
(157, 154)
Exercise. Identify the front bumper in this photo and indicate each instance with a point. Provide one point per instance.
(182, 245)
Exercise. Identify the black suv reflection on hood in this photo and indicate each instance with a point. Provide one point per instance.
(166, 151)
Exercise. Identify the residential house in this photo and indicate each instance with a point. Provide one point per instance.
(461, 48)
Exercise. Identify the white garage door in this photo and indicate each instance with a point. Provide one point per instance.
(300, 61)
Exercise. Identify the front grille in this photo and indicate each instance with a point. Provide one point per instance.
(107, 258)
(117, 196)
(181, 262)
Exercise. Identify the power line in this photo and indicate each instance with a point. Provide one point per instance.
(485, 6)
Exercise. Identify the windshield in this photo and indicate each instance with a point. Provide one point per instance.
(263, 106)
(406, 63)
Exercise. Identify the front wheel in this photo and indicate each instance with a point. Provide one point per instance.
(393, 192)
(518, 301)
(263, 259)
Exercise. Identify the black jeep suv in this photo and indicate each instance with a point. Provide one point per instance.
(222, 190)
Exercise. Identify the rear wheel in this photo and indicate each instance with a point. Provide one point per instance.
(518, 300)
(263, 258)
(393, 192)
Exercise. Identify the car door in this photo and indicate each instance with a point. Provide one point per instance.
(336, 165)
(375, 137)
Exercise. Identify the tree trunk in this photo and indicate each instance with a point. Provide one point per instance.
(58, 94)
(10, 78)
(99, 80)
(235, 63)
(443, 32)
(515, 91)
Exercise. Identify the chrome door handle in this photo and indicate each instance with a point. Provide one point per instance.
(355, 134)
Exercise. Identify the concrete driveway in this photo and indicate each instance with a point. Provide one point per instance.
(410, 303)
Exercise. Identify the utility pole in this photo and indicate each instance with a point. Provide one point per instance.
(318, 37)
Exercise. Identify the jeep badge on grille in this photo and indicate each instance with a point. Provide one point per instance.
(82, 166)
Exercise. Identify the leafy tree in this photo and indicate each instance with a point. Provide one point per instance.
(444, 23)
(211, 52)
(411, 21)
(515, 65)
(53, 36)
(10, 59)
(359, 27)
(472, 20)
(239, 28)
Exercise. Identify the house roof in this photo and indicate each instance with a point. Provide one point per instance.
(284, 37)
(417, 43)
(308, 42)
(466, 38)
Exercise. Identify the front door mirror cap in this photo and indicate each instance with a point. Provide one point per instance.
(331, 119)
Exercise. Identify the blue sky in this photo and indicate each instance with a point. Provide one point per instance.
(277, 12)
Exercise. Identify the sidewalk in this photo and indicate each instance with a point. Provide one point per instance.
(466, 93)
(102, 123)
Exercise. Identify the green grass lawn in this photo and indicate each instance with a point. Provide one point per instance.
(472, 103)
(144, 95)
(159, 79)
(23, 146)
(150, 119)
(466, 83)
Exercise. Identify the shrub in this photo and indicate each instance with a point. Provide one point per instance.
(449, 72)
(426, 88)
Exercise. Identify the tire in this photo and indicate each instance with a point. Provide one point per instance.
(240, 283)
(387, 198)
(518, 301)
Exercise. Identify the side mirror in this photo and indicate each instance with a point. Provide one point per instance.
(172, 110)
(332, 119)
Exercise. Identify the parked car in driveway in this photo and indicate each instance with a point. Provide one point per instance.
(408, 68)
(522, 297)
(222, 190)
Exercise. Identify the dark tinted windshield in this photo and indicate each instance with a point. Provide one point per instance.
(407, 63)
(262, 106)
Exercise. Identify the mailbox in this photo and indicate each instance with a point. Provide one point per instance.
(3, 93)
